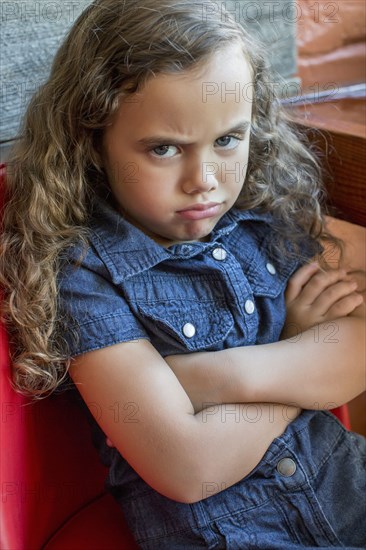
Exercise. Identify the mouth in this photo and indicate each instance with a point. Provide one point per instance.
(200, 211)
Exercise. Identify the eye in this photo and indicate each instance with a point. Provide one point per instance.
(164, 151)
(228, 142)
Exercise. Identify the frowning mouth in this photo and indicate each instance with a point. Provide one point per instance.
(200, 211)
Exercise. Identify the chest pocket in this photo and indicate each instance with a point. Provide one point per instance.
(197, 318)
(268, 278)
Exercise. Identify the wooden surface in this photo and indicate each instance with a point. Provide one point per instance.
(337, 129)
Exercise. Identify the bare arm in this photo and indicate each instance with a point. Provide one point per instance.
(325, 365)
(174, 450)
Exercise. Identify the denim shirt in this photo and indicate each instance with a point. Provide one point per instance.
(210, 296)
(194, 296)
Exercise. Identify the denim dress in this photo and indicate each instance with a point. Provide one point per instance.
(309, 490)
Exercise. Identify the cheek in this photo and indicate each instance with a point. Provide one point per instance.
(236, 169)
(140, 196)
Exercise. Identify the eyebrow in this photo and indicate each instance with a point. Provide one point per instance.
(240, 128)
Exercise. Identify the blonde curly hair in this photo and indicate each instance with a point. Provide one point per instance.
(54, 170)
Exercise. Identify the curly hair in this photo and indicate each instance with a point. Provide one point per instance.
(54, 171)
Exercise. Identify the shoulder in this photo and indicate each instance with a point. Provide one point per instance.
(256, 236)
(94, 311)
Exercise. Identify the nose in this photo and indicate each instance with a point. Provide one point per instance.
(200, 177)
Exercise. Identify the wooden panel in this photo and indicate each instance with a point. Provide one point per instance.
(348, 166)
(338, 129)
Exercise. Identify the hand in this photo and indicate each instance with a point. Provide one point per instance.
(314, 296)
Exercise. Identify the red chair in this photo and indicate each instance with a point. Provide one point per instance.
(51, 477)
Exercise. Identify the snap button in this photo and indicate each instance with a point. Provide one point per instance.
(271, 268)
(249, 307)
(186, 249)
(286, 467)
(189, 330)
(219, 254)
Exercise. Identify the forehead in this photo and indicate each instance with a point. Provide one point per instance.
(225, 70)
(211, 95)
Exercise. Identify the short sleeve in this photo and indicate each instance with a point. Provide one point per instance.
(93, 311)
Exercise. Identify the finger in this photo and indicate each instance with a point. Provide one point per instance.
(344, 307)
(109, 442)
(332, 295)
(319, 282)
(299, 280)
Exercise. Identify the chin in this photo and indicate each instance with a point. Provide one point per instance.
(199, 233)
(186, 234)
(197, 237)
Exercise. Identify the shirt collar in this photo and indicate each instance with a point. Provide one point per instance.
(126, 251)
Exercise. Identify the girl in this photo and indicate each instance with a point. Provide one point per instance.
(157, 205)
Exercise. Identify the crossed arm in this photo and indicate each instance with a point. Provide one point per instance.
(319, 362)
(173, 443)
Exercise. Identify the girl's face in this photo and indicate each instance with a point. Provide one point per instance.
(176, 153)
